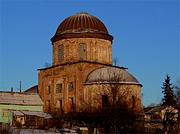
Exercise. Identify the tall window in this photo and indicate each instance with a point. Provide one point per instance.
(71, 103)
(105, 101)
(60, 53)
(133, 101)
(82, 51)
(49, 89)
(59, 88)
(60, 105)
(70, 86)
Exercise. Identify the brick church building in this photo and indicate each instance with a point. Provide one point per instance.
(82, 70)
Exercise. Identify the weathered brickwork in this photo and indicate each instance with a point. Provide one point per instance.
(130, 94)
(75, 73)
(95, 50)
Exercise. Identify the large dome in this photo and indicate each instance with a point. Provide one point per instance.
(81, 22)
(111, 75)
(81, 25)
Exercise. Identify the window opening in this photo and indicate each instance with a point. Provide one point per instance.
(58, 88)
(133, 101)
(70, 86)
(49, 89)
(82, 51)
(60, 53)
(72, 105)
(105, 101)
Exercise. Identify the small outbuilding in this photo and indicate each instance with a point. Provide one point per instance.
(30, 119)
(11, 101)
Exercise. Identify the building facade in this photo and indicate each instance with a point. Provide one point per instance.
(82, 59)
(11, 101)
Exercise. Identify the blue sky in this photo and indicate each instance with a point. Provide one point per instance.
(146, 38)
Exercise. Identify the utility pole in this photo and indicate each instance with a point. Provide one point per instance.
(20, 86)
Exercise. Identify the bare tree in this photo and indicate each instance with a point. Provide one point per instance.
(169, 119)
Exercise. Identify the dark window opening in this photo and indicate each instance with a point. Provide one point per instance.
(133, 101)
(60, 106)
(72, 105)
(70, 86)
(105, 101)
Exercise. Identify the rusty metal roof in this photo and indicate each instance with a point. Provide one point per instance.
(81, 22)
(82, 25)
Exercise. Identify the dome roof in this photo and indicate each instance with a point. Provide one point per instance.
(81, 25)
(81, 22)
(111, 75)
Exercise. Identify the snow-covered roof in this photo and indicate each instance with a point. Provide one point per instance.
(20, 99)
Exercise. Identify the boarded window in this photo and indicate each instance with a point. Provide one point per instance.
(60, 53)
(70, 86)
(59, 88)
(105, 101)
(82, 51)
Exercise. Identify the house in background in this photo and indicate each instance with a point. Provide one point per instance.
(11, 101)
(160, 113)
(158, 117)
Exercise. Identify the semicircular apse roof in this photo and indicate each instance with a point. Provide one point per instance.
(111, 75)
